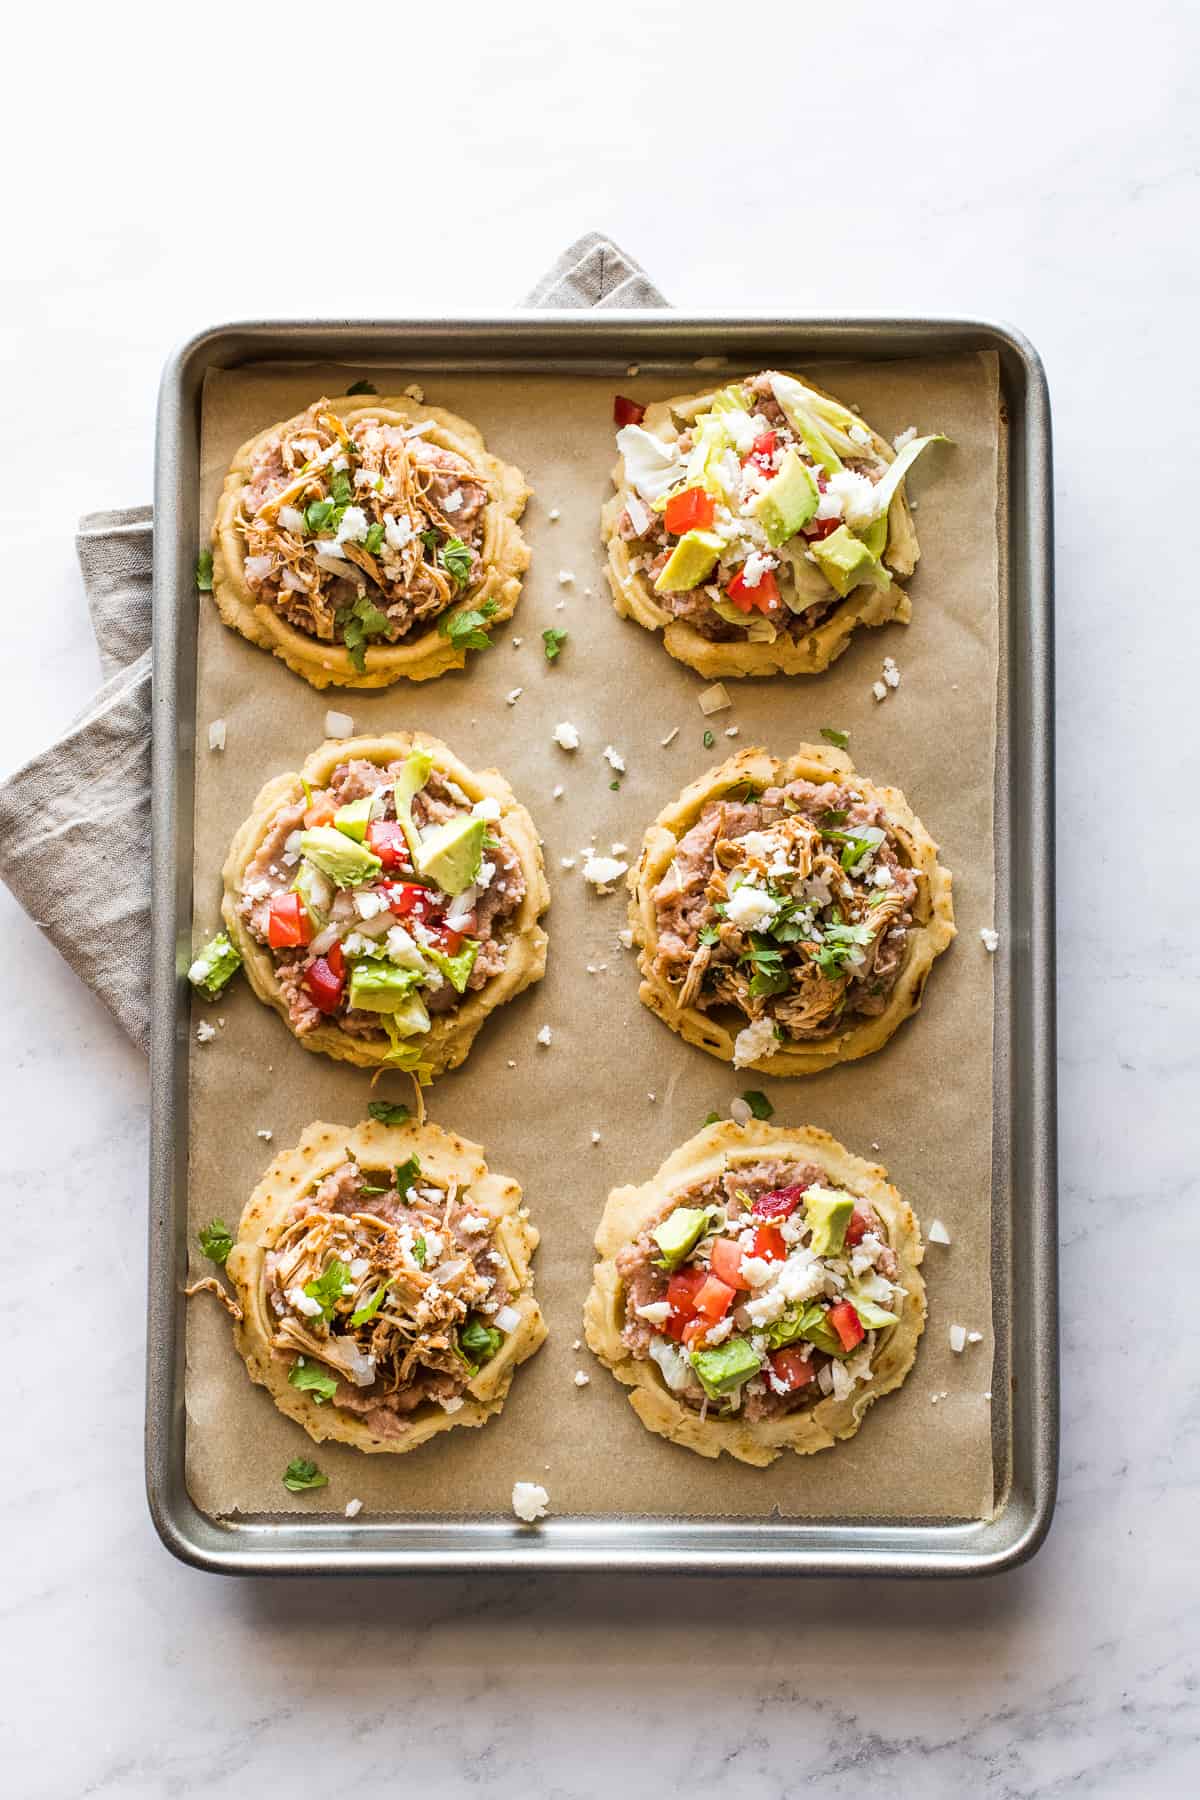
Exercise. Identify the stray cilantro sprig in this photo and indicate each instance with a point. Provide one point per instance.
(216, 1240)
(709, 740)
(362, 387)
(466, 630)
(552, 641)
(301, 1474)
(420, 1250)
(714, 1118)
(758, 1103)
(387, 1112)
(407, 1175)
(204, 571)
(358, 623)
(832, 735)
(312, 1379)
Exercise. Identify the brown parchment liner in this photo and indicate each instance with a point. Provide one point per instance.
(633, 591)
(931, 931)
(708, 1155)
(444, 1158)
(451, 1034)
(503, 551)
(925, 1099)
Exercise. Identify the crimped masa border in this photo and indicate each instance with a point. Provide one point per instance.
(634, 597)
(630, 1209)
(504, 551)
(451, 1034)
(444, 1157)
(931, 931)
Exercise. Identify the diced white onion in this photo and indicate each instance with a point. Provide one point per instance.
(338, 725)
(507, 1319)
(257, 568)
(216, 735)
(714, 699)
(324, 940)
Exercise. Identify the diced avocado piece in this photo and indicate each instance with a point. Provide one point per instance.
(726, 1366)
(452, 854)
(354, 817)
(315, 890)
(215, 966)
(845, 561)
(378, 986)
(690, 561)
(346, 863)
(827, 1215)
(456, 968)
(788, 501)
(415, 773)
(679, 1233)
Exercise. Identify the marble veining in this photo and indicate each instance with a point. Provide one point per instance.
(1042, 169)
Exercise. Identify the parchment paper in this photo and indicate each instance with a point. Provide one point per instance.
(922, 1106)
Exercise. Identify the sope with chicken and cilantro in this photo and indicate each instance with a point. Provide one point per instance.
(758, 525)
(384, 1278)
(758, 1292)
(787, 912)
(369, 542)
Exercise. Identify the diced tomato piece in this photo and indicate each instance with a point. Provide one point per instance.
(857, 1229)
(451, 942)
(696, 1327)
(762, 452)
(780, 1202)
(681, 1291)
(408, 899)
(713, 1300)
(336, 960)
(821, 528)
(793, 1368)
(725, 1261)
(846, 1322)
(627, 412)
(319, 813)
(386, 838)
(693, 510)
(287, 922)
(764, 596)
(324, 984)
(769, 1243)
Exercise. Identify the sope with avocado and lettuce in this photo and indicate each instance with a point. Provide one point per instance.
(752, 514)
(381, 898)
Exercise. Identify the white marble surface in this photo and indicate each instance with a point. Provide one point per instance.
(1038, 164)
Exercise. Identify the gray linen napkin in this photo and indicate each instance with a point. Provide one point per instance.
(90, 791)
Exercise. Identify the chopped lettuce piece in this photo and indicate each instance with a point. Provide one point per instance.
(885, 487)
(652, 467)
(215, 966)
(456, 968)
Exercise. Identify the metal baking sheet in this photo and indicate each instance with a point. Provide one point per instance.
(1024, 1244)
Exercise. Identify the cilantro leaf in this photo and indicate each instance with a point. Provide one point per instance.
(373, 542)
(419, 1250)
(431, 539)
(480, 1341)
(709, 740)
(840, 949)
(216, 1240)
(708, 934)
(831, 818)
(857, 842)
(362, 387)
(363, 1314)
(832, 735)
(770, 976)
(456, 558)
(553, 641)
(358, 622)
(312, 1379)
(713, 1119)
(341, 492)
(465, 630)
(204, 571)
(327, 1287)
(301, 1474)
(758, 1103)
(407, 1175)
(318, 515)
(387, 1112)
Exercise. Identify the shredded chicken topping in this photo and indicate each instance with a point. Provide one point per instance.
(357, 533)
